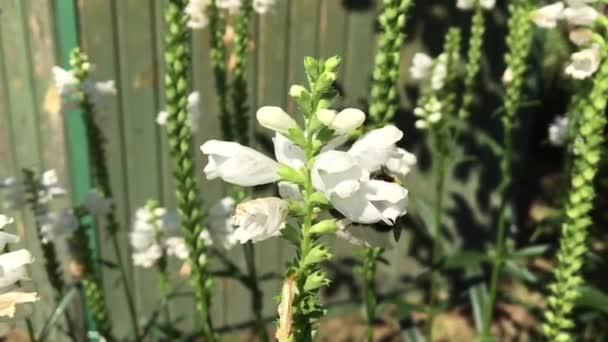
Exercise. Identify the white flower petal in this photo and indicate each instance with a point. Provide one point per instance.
(401, 162)
(376, 147)
(276, 119)
(580, 15)
(238, 164)
(422, 65)
(337, 172)
(347, 120)
(584, 63)
(260, 219)
(287, 152)
(547, 16)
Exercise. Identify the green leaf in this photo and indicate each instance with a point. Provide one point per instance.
(520, 271)
(531, 251)
(478, 295)
(51, 322)
(593, 298)
(465, 259)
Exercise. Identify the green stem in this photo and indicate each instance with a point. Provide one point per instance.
(369, 275)
(239, 96)
(437, 244)
(219, 54)
(96, 142)
(256, 294)
(30, 329)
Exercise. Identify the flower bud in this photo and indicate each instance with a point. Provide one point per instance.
(296, 91)
(326, 116)
(316, 255)
(325, 227)
(276, 119)
(347, 120)
(332, 63)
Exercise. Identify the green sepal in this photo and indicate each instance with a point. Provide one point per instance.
(291, 175)
(315, 281)
(316, 255)
(325, 227)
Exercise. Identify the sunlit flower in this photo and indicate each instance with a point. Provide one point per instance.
(238, 164)
(147, 257)
(580, 14)
(581, 36)
(276, 119)
(13, 266)
(440, 72)
(9, 301)
(422, 64)
(558, 131)
(375, 148)
(347, 121)
(176, 246)
(547, 16)
(260, 219)
(67, 86)
(584, 63)
(507, 76)
(287, 152)
(469, 4)
(338, 173)
(196, 10)
(96, 204)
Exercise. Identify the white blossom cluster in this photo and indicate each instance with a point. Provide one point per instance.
(581, 17)
(13, 269)
(558, 131)
(431, 73)
(196, 10)
(194, 112)
(469, 4)
(154, 234)
(69, 87)
(345, 177)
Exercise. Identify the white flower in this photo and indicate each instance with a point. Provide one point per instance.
(147, 257)
(260, 219)
(5, 221)
(6, 237)
(347, 121)
(13, 266)
(376, 147)
(507, 76)
(362, 235)
(65, 82)
(219, 223)
(580, 15)
(50, 186)
(401, 163)
(547, 16)
(196, 10)
(422, 65)
(326, 116)
(339, 173)
(373, 202)
(287, 152)
(96, 204)
(238, 164)
(263, 6)
(469, 4)
(55, 225)
(231, 6)
(344, 177)
(13, 193)
(440, 72)
(558, 131)
(581, 36)
(194, 112)
(584, 63)
(276, 119)
(176, 246)
(9, 301)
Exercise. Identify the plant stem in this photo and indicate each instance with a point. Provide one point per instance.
(239, 92)
(370, 259)
(437, 244)
(217, 25)
(256, 293)
(101, 176)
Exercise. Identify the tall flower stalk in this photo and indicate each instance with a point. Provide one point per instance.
(519, 41)
(177, 59)
(96, 142)
(217, 29)
(383, 106)
(440, 100)
(241, 57)
(588, 145)
(384, 92)
(478, 28)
